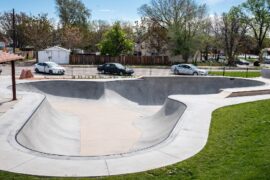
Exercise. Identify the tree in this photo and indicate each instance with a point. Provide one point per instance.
(7, 29)
(71, 37)
(182, 19)
(151, 36)
(30, 30)
(232, 32)
(37, 31)
(248, 45)
(72, 12)
(256, 15)
(206, 41)
(97, 30)
(115, 42)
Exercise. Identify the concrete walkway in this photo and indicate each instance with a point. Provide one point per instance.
(187, 139)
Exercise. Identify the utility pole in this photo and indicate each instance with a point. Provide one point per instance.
(13, 62)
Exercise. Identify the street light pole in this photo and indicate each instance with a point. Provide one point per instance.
(13, 62)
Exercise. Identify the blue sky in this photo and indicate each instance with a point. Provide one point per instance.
(109, 10)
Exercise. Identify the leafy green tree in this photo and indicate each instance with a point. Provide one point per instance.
(116, 42)
(72, 12)
(255, 13)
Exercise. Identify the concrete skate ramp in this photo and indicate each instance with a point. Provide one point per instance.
(45, 132)
(86, 118)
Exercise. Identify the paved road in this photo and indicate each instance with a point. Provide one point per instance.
(89, 71)
(85, 71)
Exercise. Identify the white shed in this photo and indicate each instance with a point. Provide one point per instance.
(55, 54)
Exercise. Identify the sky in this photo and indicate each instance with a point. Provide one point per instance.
(109, 10)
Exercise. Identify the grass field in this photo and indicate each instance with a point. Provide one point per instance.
(238, 148)
(244, 74)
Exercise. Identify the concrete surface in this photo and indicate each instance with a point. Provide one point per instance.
(102, 109)
(6, 104)
(266, 73)
(169, 119)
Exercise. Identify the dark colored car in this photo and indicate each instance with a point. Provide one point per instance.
(256, 63)
(114, 68)
(242, 62)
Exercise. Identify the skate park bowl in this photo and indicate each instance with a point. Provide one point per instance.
(107, 118)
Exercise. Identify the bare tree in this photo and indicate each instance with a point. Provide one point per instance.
(7, 29)
(71, 37)
(151, 36)
(182, 18)
(232, 31)
(38, 31)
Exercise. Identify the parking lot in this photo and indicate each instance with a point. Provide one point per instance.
(87, 72)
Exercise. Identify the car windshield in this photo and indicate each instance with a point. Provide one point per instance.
(120, 66)
(192, 66)
(52, 64)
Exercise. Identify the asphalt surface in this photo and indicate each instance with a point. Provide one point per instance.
(87, 71)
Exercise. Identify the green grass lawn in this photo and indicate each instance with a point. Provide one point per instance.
(238, 148)
(244, 74)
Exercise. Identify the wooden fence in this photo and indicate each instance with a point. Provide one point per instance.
(84, 59)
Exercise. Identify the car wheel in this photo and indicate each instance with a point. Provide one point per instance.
(37, 71)
(175, 71)
(102, 72)
(121, 73)
(50, 72)
(195, 74)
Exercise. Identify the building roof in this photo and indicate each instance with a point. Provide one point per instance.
(56, 48)
(7, 57)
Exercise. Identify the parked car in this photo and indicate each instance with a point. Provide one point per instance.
(256, 63)
(188, 69)
(266, 59)
(50, 68)
(242, 62)
(115, 68)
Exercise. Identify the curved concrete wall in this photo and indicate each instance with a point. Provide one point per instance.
(51, 132)
(146, 91)
(157, 128)
(155, 90)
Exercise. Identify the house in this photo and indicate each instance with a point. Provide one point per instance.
(55, 54)
(28, 52)
(4, 43)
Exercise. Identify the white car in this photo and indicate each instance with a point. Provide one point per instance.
(50, 68)
(188, 69)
